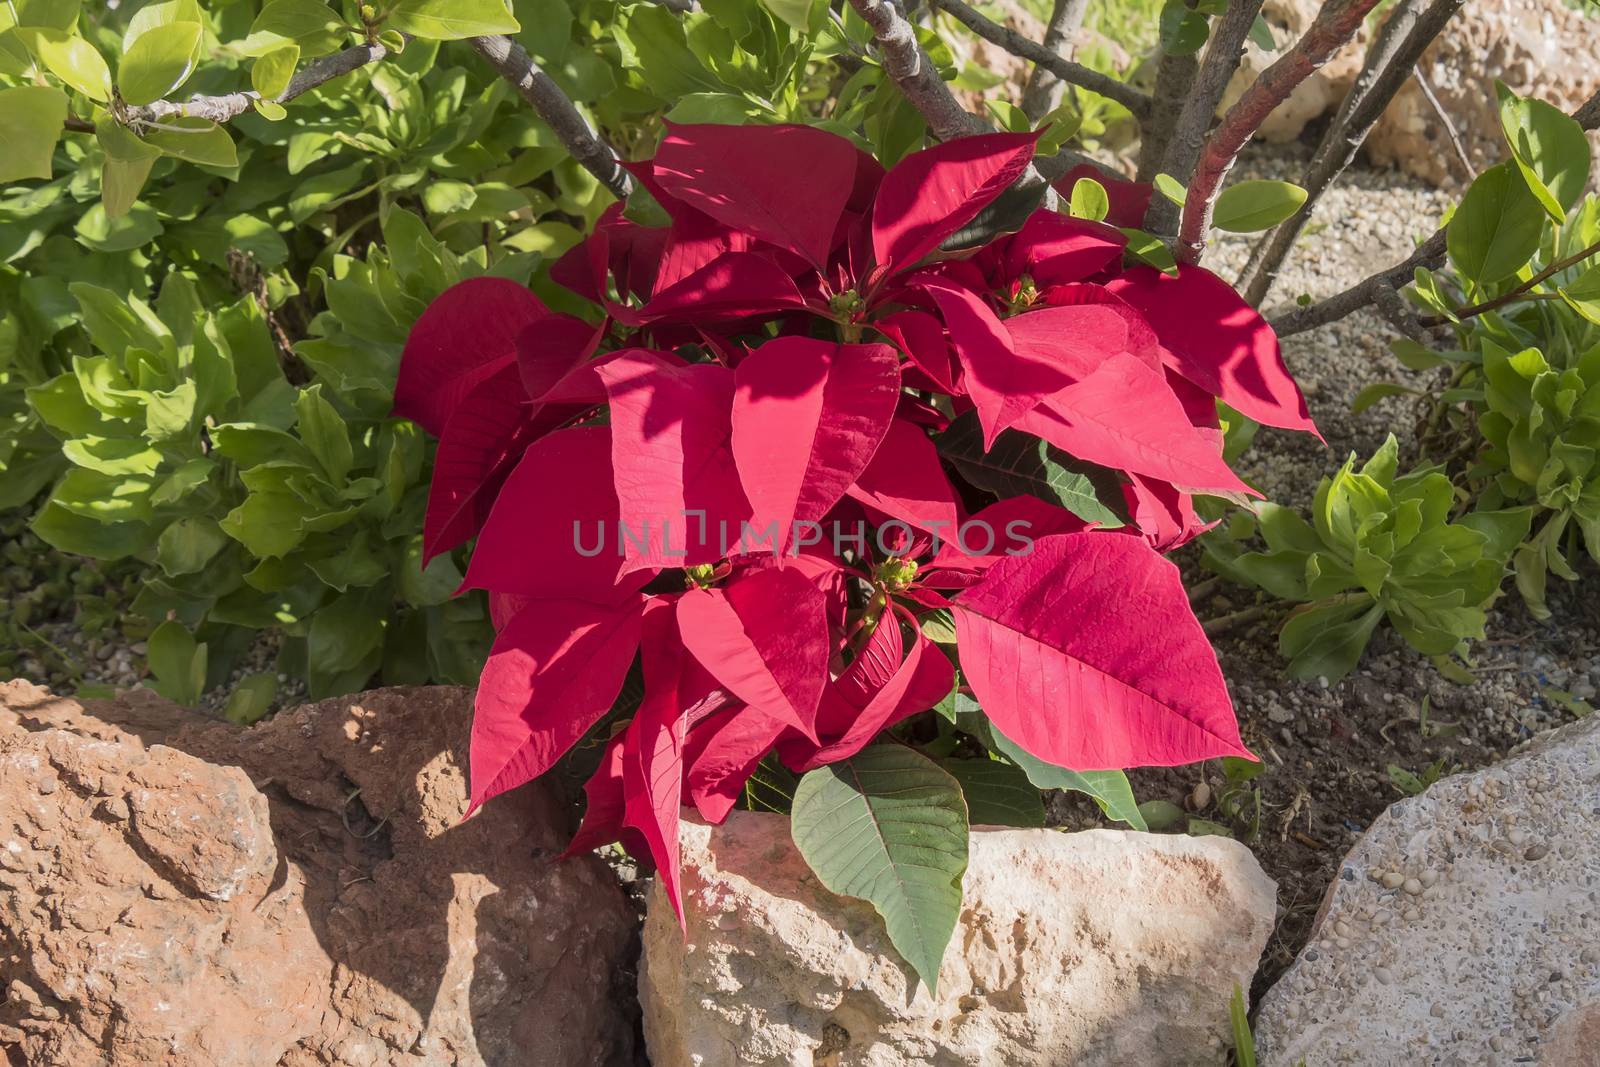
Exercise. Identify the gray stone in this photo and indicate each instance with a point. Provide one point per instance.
(1098, 947)
(1495, 945)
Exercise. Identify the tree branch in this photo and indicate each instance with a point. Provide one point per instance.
(912, 70)
(1444, 120)
(232, 105)
(1175, 76)
(1042, 94)
(1335, 24)
(1400, 42)
(1223, 54)
(1428, 254)
(1065, 69)
(1472, 310)
(514, 64)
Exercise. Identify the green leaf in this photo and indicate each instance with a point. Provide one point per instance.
(430, 585)
(73, 60)
(31, 120)
(1261, 35)
(1497, 227)
(1371, 394)
(794, 13)
(1162, 815)
(83, 536)
(100, 231)
(186, 546)
(271, 74)
(1251, 206)
(345, 644)
(1171, 188)
(450, 20)
(311, 24)
(1108, 789)
(998, 793)
(178, 663)
(158, 61)
(1089, 200)
(196, 141)
(888, 826)
(1549, 148)
(267, 523)
(325, 434)
(1326, 640)
(1022, 464)
(251, 699)
(1183, 30)
(1150, 250)
(51, 14)
(113, 455)
(126, 168)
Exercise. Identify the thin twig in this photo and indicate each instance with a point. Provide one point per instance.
(1521, 291)
(514, 64)
(1223, 623)
(1444, 120)
(1065, 69)
(1428, 254)
(912, 70)
(1042, 94)
(1335, 24)
(231, 105)
(1396, 48)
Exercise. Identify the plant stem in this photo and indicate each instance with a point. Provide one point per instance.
(1042, 94)
(1520, 292)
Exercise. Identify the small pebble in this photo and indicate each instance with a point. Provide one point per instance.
(1536, 852)
(1429, 877)
(1384, 975)
(1392, 880)
(1412, 886)
(1412, 915)
(48, 786)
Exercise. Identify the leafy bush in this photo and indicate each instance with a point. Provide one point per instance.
(736, 479)
(1380, 545)
(1520, 418)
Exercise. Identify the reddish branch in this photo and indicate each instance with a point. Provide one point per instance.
(1335, 24)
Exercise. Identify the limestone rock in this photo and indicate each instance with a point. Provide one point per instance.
(1098, 947)
(1318, 94)
(1541, 48)
(179, 891)
(1464, 927)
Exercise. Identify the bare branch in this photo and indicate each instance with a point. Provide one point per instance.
(1175, 77)
(1223, 54)
(1335, 24)
(1428, 254)
(232, 105)
(1065, 69)
(1042, 94)
(912, 70)
(1565, 263)
(1444, 120)
(1399, 44)
(514, 64)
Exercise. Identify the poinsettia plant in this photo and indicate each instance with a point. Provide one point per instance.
(817, 465)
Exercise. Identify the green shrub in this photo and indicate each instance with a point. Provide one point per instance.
(1379, 545)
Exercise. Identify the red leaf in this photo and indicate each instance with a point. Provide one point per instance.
(764, 636)
(1218, 342)
(1006, 528)
(1163, 513)
(606, 805)
(1076, 339)
(734, 285)
(905, 481)
(550, 350)
(1086, 654)
(921, 337)
(466, 335)
(786, 185)
(1142, 339)
(931, 194)
(676, 480)
(477, 449)
(1129, 200)
(555, 508)
(652, 767)
(917, 684)
(1053, 249)
(554, 670)
(1125, 416)
(807, 417)
(1003, 383)
(721, 754)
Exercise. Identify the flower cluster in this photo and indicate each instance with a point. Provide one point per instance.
(790, 354)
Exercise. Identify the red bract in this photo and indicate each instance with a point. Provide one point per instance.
(746, 481)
